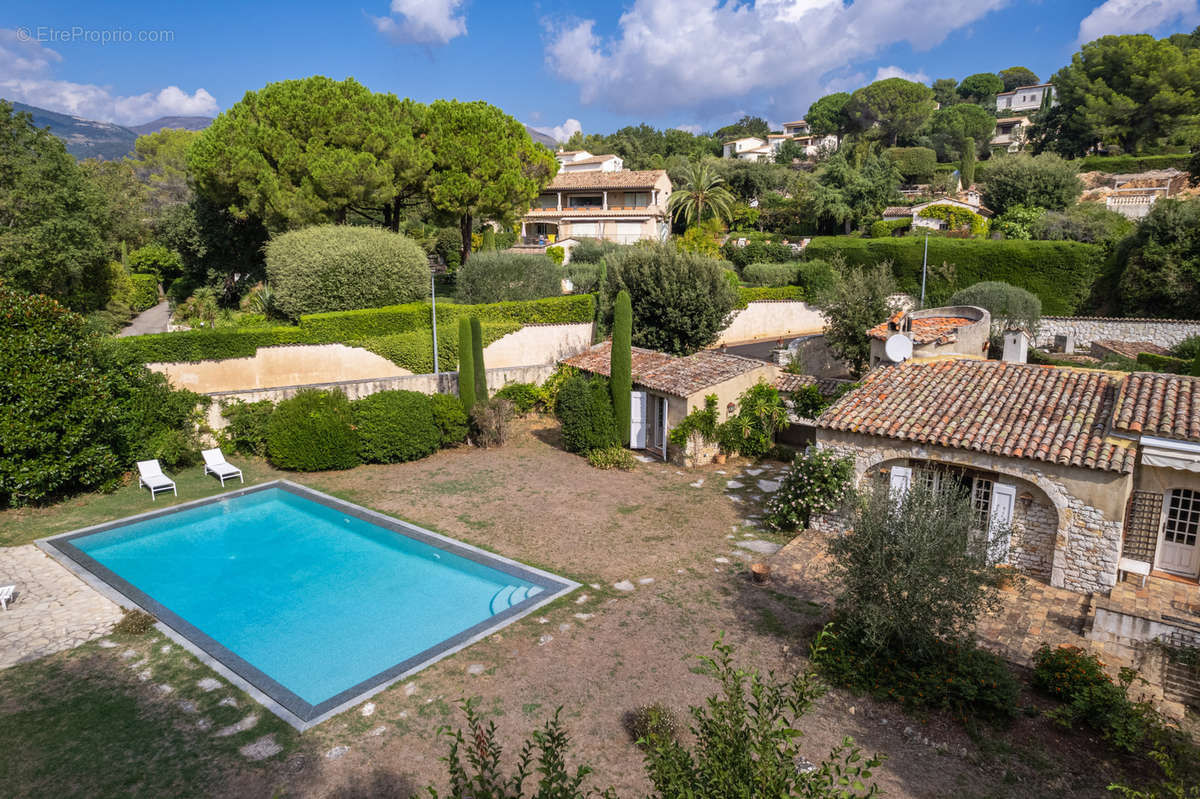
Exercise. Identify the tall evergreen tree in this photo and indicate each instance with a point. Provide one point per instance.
(621, 382)
(481, 390)
(466, 365)
(966, 169)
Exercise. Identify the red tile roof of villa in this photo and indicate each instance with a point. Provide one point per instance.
(679, 377)
(1043, 413)
(596, 179)
(1158, 404)
(827, 386)
(927, 330)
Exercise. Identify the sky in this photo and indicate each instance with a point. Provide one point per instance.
(559, 66)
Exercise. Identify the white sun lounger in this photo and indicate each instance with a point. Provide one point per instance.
(215, 464)
(150, 475)
(6, 593)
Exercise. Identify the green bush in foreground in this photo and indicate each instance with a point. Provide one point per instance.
(584, 409)
(395, 426)
(246, 431)
(341, 268)
(312, 432)
(504, 276)
(144, 292)
(616, 457)
(770, 274)
(525, 397)
(450, 419)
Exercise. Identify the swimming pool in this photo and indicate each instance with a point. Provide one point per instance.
(309, 602)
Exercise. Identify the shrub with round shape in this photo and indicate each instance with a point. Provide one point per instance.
(341, 268)
(395, 426)
(450, 419)
(312, 432)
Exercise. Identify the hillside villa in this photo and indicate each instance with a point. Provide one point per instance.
(1025, 98)
(756, 148)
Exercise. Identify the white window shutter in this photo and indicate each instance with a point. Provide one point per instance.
(637, 421)
(900, 481)
(1000, 516)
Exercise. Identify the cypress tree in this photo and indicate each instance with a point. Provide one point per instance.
(621, 381)
(489, 239)
(966, 169)
(481, 392)
(466, 365)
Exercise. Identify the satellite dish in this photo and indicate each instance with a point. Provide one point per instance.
(898, 348)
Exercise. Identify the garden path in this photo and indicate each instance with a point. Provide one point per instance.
(153, 320)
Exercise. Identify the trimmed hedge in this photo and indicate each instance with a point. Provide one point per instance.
(1060, 273)
(144, 292)
(414, 350)
(754, 294)
(504, 276)
(352, 327)
(1163, 363)
(313, 432)
(395, 426)
(450, 419)
(1132, 163)
(341, 268)
(770, 274)
(885, 228)
(585, 410)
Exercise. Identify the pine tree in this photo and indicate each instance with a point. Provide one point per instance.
(966, 169)
(481, 390)
(466, 365)
(621, 383)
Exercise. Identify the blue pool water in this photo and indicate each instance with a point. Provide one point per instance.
(314, 598)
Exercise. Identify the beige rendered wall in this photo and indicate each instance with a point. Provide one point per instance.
(727, 392)
(280, 366)
(533, 345)
(772, 319)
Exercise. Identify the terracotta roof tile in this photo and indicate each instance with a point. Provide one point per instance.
(596, 179)
(925, 330)
(1017, 410)
(828, 386)
(679, 377)
(1158, 404)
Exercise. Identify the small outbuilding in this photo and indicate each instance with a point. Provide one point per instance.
(668, 387)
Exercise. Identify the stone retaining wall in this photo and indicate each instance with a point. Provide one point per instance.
(1086, 329)
(443, 383)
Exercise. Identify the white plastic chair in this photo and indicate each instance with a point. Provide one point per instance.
(215, 464)
(151, 476)
(6, 593)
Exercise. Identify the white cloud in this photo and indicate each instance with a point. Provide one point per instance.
(708, 55)
(423, 21)
(26, 66)
(560, 133)
(1136, 16)
(896, 72)
(695, 130)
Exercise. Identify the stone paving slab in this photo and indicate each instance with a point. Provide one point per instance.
(53, 609)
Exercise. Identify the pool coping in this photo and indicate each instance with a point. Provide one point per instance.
(259, 685)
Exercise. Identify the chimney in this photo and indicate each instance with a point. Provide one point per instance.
(1016, 346)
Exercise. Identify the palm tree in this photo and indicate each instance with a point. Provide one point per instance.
(702, 194)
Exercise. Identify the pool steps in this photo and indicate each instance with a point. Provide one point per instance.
(511, 595)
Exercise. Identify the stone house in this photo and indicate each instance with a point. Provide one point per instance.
(1031, 445)
(667, 388)
(970, 202)
(960, 330)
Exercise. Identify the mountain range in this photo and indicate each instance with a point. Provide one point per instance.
(88, 138)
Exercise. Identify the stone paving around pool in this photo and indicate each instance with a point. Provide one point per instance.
(52, 609)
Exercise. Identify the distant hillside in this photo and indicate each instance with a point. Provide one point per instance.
(182, 123)
(542, 138)
(87, 138)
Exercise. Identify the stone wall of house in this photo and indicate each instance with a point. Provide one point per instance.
(1086, 329)
(1071, 530)
(442, 383)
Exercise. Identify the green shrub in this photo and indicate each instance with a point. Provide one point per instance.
(481, 386)
(550, 387)
(1044, 181)
(584, 409)
(621, 365)
(815, 278)
(1060, 273)
(751, 432)
(1008, 305)
(156, 260)
(246, 431)
(915, 164)
(341, 268)
(585, 277)
(770, 274)
(956, 218)
(886, 228)
(556, 254)
(1188, 349)
(1131, 163)
(1064, 671)
(616, 457)
(395, 426)
(681, 301)
(700, 425)
(144, 292)
(593, 251)
(490, 421)
(312, 432)
(466, 364)
(1153, 362)
(755, 252)
(508, 276)
(817, 482)
(525, 397)
(963, 680)
(450, 419)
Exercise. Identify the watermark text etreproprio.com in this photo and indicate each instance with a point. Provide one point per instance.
(49, 34)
